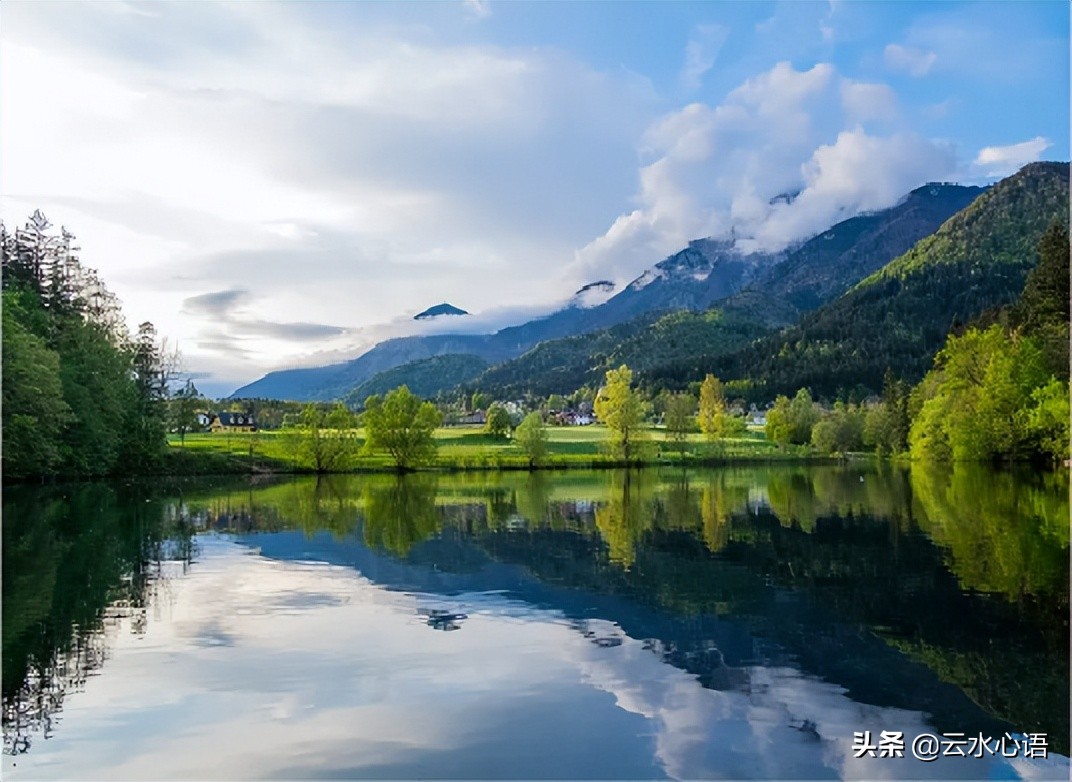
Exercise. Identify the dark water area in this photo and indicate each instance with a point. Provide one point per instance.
(730, 623)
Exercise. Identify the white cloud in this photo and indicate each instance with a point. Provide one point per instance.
(481, 9)
(1002, 161)
(701, 52)
(342, 176)
(711, 169)
(910, 60)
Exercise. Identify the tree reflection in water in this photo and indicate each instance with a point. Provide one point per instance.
(842, 571)
(80, 564)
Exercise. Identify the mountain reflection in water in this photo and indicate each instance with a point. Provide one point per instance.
(738, 622)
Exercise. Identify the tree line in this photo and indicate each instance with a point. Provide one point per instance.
(81, 395)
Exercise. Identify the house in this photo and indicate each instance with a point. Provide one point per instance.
(232, 422)
(475, 418)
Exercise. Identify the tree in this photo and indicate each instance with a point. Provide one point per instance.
(34, 411)
(1047, 420)
(402, 424)
(479, 401)
(498, 421)
(622, 410)
(680, 409)
(841, 431)
(712, 407)
(1042, 311)
(975, 403)
(185, 405)
(791, 421)
(531, 437)
(779, 428)
(326, 440)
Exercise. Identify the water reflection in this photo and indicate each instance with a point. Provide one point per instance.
(70, 586)
(816, 601)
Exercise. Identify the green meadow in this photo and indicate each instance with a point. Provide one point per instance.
(465, 448)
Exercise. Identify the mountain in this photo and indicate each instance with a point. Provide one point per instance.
(899, 316)
(677, 281)
(832, 262)
(424, 378)
(439, 309)
(817, 271)
(593, 294)
(756, 288)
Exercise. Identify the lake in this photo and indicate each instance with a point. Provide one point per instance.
(767, 622)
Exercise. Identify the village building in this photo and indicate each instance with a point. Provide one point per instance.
(232, 422)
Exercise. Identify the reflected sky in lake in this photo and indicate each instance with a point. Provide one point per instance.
(273, 652)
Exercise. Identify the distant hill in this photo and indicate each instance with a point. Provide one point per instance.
(899, 316)
(753, 289)
(820, 269)
(425, 378)
(439, 309)
(678, 281)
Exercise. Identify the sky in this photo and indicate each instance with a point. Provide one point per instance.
(284, 184)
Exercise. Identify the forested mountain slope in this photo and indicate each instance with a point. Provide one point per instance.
(772, 288)
(822, 268)
(899, 316)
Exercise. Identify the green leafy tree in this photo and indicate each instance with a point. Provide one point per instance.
(779, 428)
(841, 431)
(622, 410)
(326, 440)
(791, 421)
(498, 421)
(1048, 418)
(479, 401)
(680, 411)
(712, 407)
(975, 403)
(531, 437)
(803, 416)
(34, 412)
(402, 425)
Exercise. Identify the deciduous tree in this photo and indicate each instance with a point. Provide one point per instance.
(712, 407)
(402, 425)
(498, 421)
(680, 411)
(531, 437)
(622, 410)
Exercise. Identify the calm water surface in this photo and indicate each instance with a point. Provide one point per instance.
(737, 623)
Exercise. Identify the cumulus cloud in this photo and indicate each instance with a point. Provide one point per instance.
(834, 143)
(908, 59)
(1002, 161)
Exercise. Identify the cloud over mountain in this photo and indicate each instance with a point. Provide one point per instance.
(713, 170)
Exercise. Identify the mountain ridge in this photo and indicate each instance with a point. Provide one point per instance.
(706, 271)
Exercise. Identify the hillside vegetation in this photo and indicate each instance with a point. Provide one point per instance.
(425, 378)
(898, 317)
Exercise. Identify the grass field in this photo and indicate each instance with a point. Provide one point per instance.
(464, 448)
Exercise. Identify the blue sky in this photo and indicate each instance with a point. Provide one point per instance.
(284, 184)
